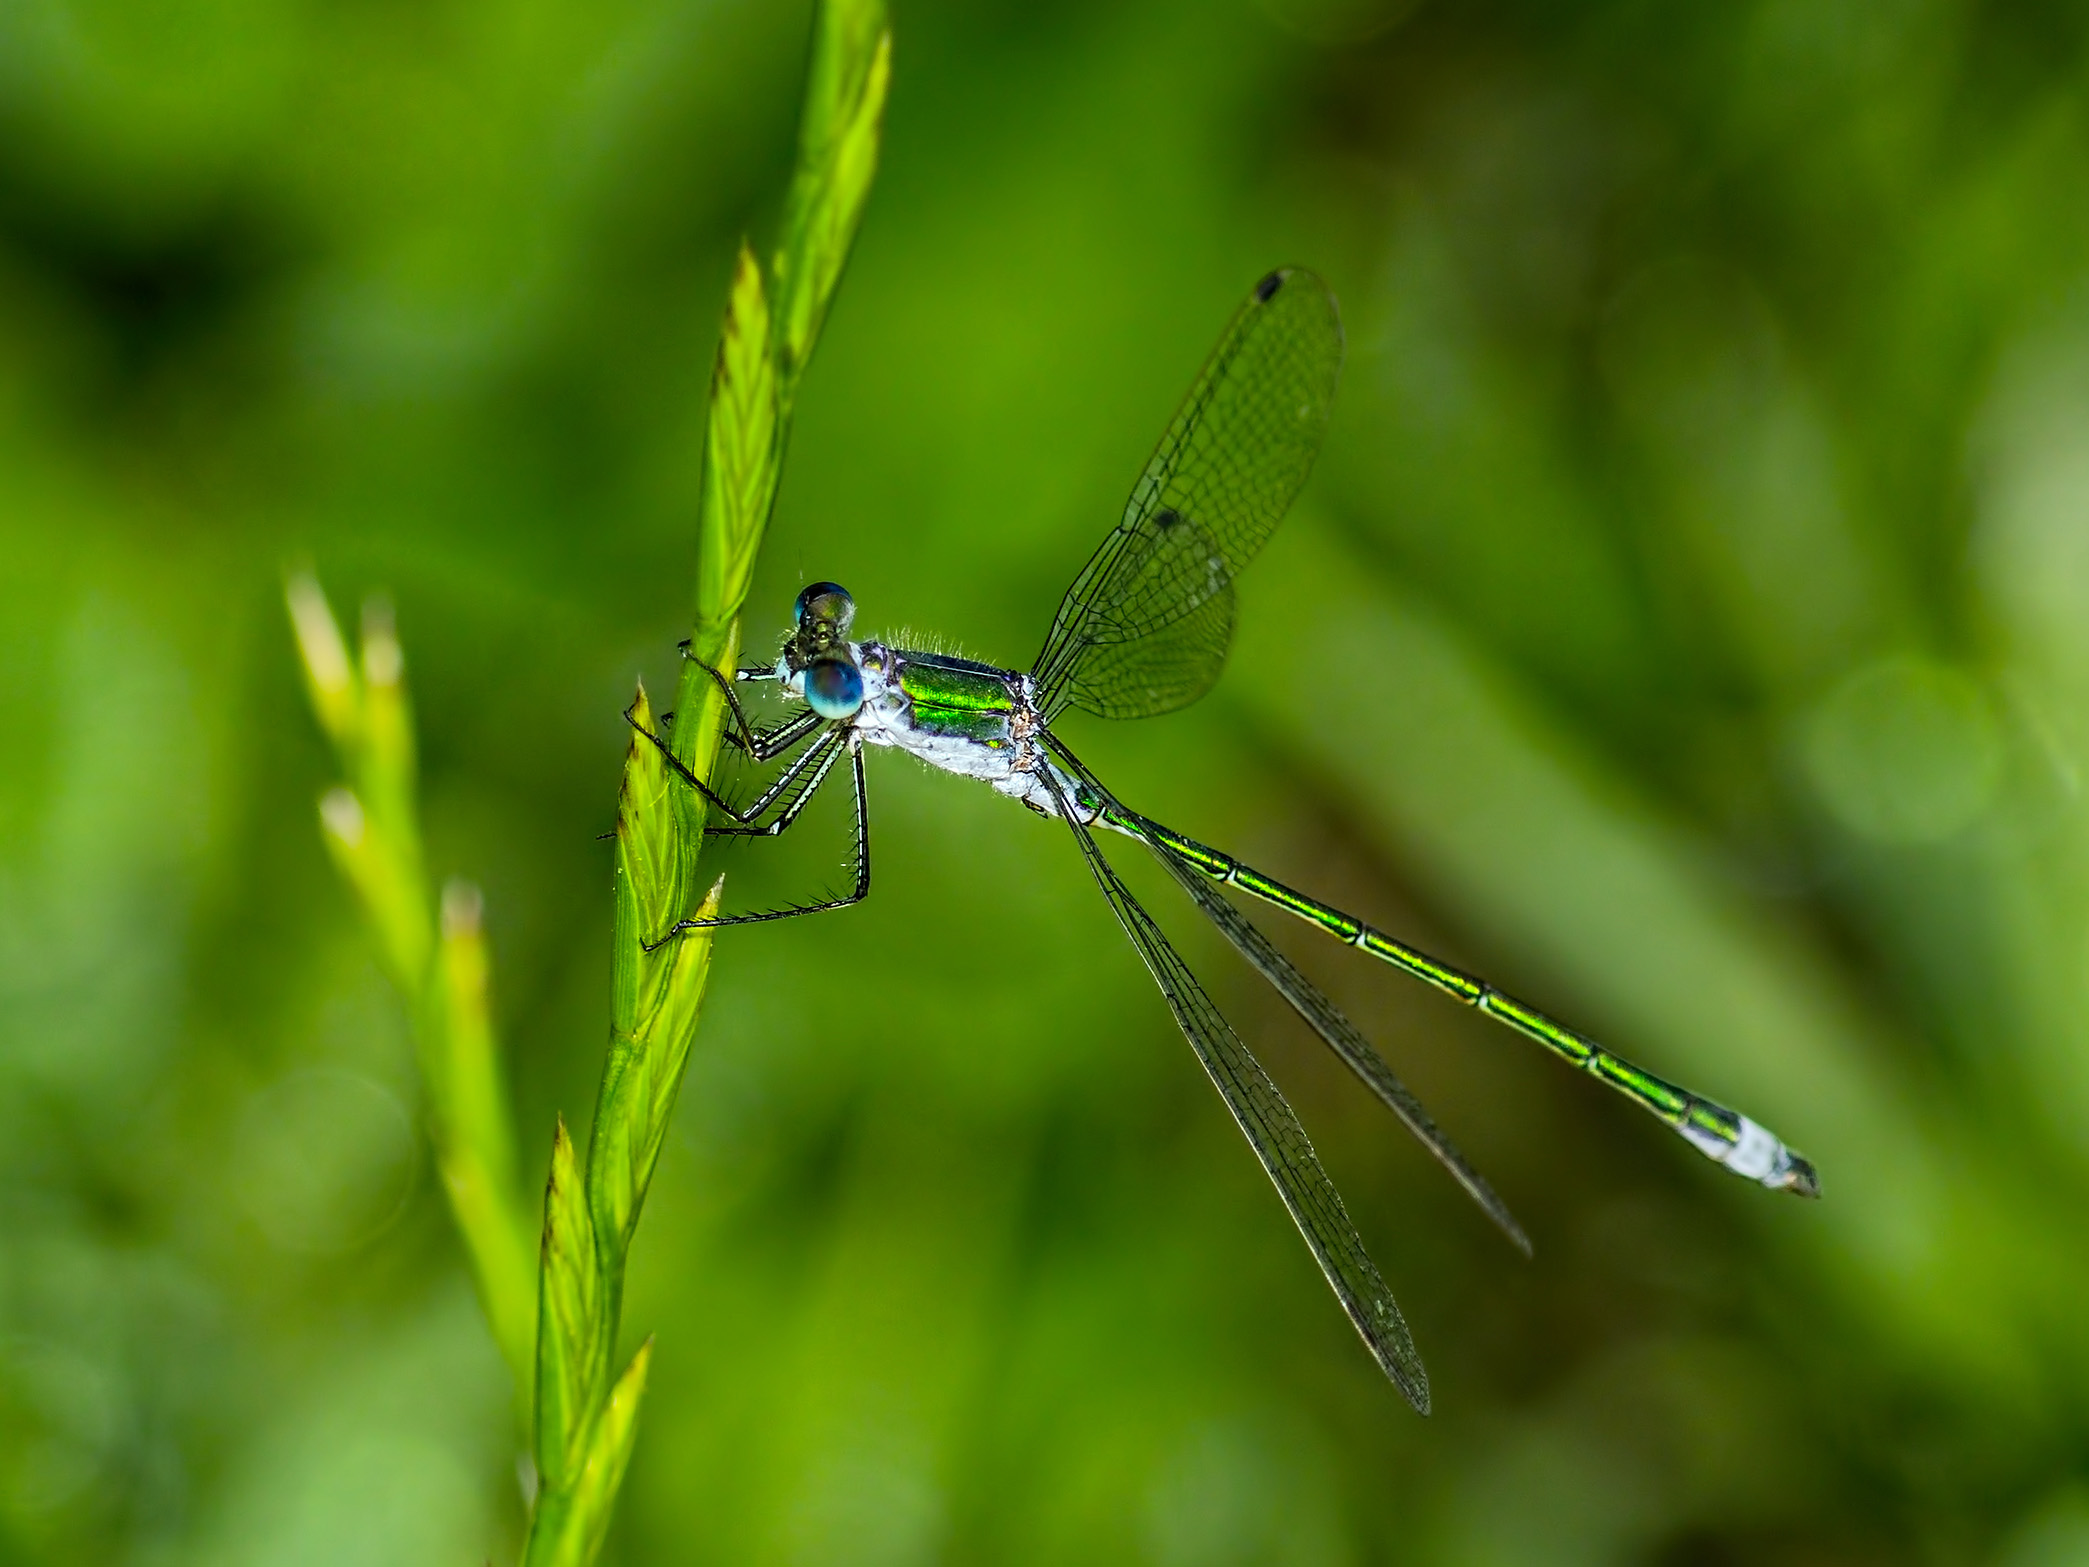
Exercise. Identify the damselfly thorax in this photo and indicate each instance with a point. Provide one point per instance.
(959, 717)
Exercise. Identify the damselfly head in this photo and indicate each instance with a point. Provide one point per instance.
(821, 620)
(825, 601)
(833, 687)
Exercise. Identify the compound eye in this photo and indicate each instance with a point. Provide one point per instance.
(833, 687)
(828, 601)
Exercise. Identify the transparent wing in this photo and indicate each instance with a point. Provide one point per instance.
(1308, 1001)
(1341, 1035)
(1154, 673)
(1145, 626)
(1272, 1130)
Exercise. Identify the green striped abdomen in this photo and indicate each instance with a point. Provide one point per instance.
(1722, 1135)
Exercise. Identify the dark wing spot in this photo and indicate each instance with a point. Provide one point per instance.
(1266, 290)
(1166, 518)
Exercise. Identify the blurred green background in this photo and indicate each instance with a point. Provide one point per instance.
(1688, 627)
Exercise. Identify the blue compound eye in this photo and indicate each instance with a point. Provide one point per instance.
(833, 687)
(828, 601)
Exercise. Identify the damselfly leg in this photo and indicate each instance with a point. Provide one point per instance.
(856, 894)
(761, 744)
(802, 779)
(782, 783)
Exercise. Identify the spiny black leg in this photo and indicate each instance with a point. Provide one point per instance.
(744, 672)
(732, 698)
(761, 744)
(697, 783)
(765, 745)
(825, 752)
(785, 779)
(772, 743)
(862, 889)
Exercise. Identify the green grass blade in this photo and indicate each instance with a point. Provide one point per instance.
(608, 1455)
(371, 828)
(766, 344)
(837, 158)
(657, 995)
(477, 1158)
(569, 1321)
(330, 678)
(741, 449)
(585, 1426)
(569, 1526)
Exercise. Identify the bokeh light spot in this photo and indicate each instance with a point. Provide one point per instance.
(325, 1160)
(1905, 751)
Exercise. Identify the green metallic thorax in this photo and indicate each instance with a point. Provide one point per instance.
(938, 682)
(957, 700)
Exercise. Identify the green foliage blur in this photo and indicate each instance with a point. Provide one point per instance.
(1688, 628)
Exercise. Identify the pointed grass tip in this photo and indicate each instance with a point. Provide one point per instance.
(383, 661)
(463, 908)
(342, 813)
(318, 637)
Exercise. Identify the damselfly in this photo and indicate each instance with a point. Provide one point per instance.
(1144, 630)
